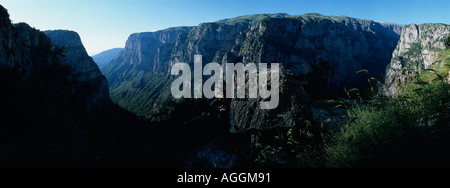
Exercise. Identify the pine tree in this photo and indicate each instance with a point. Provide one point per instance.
(447, 42)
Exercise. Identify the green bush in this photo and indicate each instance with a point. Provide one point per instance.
(411, 130)
(296, 147)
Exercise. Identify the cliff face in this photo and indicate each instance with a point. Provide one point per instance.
(143, 53)
(417, 50)
(57, 110)
(320, 55)
(333, 48)
(89, 83)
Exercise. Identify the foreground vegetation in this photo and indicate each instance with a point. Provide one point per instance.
(411, 130)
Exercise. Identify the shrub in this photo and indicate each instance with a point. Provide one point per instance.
(411, 130)
(296, 147)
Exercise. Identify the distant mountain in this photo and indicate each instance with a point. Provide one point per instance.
(104, 58)
(319, 54)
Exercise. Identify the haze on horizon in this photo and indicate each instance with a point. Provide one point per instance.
(106, 24)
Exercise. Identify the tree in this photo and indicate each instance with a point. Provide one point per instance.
(447, 42)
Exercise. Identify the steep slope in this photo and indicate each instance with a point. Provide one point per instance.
(104, 58)
(419, 49)
(58, 110)
(139, 75)
(320, 55)
(90, 84)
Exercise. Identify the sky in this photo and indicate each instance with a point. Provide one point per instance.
(106, 24)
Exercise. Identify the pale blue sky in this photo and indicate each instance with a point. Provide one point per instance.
(105, 24)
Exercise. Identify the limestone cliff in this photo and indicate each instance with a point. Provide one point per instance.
(417, 50)
(320, 55)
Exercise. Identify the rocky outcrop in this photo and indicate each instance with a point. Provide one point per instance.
(319, 55)
(417, 50)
